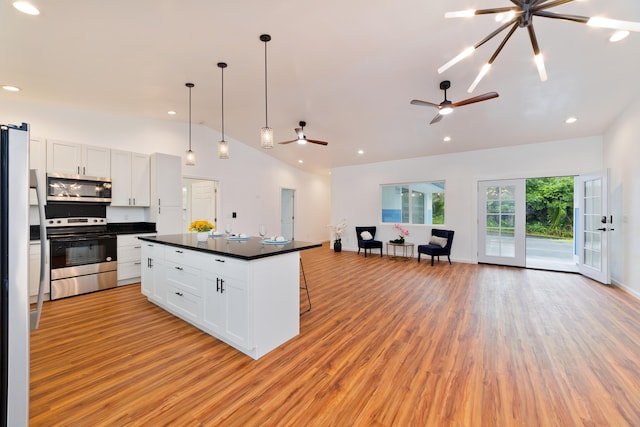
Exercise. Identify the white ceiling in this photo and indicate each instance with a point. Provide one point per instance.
(348, 68)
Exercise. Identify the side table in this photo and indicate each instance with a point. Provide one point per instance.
(405, 248)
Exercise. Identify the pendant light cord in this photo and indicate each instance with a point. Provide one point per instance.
(189, 118)
(222, 97)
(266, 112)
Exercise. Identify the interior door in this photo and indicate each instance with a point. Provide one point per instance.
(287, 216)
(501, 222)
(594, 226)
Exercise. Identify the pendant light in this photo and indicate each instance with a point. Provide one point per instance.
(266, 133)
(223, 146)
(190, 156)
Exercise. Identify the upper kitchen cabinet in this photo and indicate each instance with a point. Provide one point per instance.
(78, 159)
(166, 193)
(129, 179)
(38, 161)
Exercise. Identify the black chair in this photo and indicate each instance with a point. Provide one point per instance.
(435, 249)
(368, 244)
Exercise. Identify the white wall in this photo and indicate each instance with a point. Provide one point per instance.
(355, 190)
(621, 155)
(250, 181)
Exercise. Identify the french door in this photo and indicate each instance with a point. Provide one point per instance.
(594, 226)
(501, 222)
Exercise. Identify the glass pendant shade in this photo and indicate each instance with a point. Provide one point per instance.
(266, 137)
(223, 150)
(190, 158)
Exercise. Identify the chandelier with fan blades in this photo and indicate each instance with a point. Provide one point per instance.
(521, 16)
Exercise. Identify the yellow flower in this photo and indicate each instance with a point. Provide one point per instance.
(201, 225)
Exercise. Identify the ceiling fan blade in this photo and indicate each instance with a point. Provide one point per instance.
(315, 141)
(288, 142)
(479, 98)
(436, 119)
(424, 103)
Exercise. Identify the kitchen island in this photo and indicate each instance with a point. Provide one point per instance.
(243, 292)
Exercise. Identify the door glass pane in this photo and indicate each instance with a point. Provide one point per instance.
(500, 221)
(592, 216)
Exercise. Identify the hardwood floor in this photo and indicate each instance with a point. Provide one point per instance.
(387, 343)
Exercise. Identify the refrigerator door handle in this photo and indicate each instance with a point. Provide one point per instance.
(35, 314)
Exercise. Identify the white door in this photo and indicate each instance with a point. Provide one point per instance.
(594, 226)
(287, 216)
(501, 222)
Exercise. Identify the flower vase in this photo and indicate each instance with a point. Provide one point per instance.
(202, 236)
(337, 245)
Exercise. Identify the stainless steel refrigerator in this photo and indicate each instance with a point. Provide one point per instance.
(14, 292)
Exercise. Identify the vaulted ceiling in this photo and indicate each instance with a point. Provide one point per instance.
(347, 68)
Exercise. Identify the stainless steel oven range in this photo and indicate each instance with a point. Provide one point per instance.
(83, 252)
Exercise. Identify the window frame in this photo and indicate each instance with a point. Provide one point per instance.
(407, 212)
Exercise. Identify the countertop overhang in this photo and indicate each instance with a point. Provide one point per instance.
(247, 250)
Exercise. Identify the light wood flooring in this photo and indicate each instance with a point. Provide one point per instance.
(388, 342)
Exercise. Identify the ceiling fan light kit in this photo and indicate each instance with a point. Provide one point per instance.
(521, 16)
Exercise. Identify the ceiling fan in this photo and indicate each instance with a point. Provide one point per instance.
(303, 139)
(446, 106)
(520, 15)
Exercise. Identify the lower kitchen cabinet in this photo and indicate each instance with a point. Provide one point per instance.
(251, 305)
(227, 309)
(129, 258)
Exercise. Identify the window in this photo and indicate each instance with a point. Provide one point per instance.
(414, 203)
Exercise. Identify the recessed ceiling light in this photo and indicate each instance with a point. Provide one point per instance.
(26, 7)
(11, 88)
(171, 113)
(618, 35)
(571, 120)
(447, 139)
(360, 151)
(300, 161)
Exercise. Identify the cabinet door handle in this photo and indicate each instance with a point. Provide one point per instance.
(179, 268)
(78, 170)
(137, 263)
(134, 201)
(179, 252)
(179, 294)
(217, 284)
(137, 247)
(129, 201)
(219, 260)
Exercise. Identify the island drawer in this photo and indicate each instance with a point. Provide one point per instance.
(185, 304)
(228, 267)
(185, 256)
(187, 278)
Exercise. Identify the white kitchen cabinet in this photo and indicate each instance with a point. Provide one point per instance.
(35, 249)
(252, 305)
(129, 258)
(153, 272)
(38, 161)
(129, 178)
(166, 193)
(226, 303)
(78, 159)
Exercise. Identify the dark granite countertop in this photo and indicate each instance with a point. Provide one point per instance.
(243, 249)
